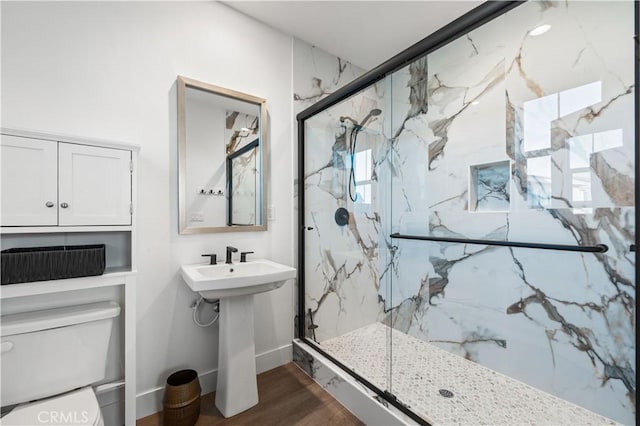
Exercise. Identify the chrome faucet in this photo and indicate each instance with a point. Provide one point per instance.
(229, 251)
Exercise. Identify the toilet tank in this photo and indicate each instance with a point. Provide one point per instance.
(53, 351)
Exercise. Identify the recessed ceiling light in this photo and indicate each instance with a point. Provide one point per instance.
(541, 29)
(475, 102)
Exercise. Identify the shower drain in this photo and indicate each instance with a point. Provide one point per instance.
(446, 393)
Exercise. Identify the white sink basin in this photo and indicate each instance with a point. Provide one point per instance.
(238, 279)
(235, 285)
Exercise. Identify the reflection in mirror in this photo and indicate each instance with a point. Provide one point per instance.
(221, 138)
(243, 185)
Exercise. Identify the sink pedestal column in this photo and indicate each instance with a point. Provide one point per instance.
(237, 388)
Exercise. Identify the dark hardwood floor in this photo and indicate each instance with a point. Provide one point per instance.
(287, 397)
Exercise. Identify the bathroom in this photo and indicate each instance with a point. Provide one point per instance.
(109, 71)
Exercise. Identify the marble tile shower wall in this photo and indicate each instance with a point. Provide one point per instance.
(556, 111)
(342, 263)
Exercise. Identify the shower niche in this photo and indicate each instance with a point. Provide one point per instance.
(489, 187)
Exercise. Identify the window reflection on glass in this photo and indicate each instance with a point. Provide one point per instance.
(581, 186)
(363, 168)
(581, 148)
(363, 165)
(539, 115)
(539, 181)
(607, 140)
(580, 97)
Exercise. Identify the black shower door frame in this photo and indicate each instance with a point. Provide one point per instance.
(471, 20)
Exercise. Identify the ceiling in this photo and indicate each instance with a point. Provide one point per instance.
(365, 33)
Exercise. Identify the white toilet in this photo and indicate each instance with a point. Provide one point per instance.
(49, 360)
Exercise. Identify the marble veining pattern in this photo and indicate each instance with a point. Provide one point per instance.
(240, 130)
(316, 75)
(562, 322)
(480, 396)
(342, 263)
(558, 109)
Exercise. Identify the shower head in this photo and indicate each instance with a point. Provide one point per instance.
(373, 113)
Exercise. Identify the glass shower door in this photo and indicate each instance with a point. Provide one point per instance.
(523, 131)
(344, 249)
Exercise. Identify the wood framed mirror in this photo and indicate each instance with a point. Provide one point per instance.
(222, 143)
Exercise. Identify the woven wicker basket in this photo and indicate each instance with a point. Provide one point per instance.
(29, 264)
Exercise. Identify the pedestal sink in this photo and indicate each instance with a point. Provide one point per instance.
(235, 284)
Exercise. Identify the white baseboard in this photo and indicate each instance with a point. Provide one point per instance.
(150, 402)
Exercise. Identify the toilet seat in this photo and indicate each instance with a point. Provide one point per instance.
(79, 407)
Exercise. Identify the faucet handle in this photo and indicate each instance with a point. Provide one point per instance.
(243, 255)
(214, 258)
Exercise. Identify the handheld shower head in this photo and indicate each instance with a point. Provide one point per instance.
(373, 113)
(353, 140)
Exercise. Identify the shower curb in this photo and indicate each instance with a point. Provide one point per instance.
(365, 404)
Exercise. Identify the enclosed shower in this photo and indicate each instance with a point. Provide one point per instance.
(467, 219)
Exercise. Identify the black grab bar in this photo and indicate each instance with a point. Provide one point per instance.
(598, 248)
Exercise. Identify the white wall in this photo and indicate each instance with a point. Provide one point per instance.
(108, 70)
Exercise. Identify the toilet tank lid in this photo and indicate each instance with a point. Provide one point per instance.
(28, 322)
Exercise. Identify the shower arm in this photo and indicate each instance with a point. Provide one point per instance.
(358, 126)
(346, 117)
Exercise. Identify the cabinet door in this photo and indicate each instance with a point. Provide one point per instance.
(94, 185)
(29, 181)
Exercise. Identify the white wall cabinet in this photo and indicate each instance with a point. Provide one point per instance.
(29, 182)
(50, 183)
(94, 185)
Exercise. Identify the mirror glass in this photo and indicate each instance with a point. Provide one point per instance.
(222, 144)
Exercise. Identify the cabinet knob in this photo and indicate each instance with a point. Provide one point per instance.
(49, 204)
(64, 205)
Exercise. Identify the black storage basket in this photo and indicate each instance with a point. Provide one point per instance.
(21, 265)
